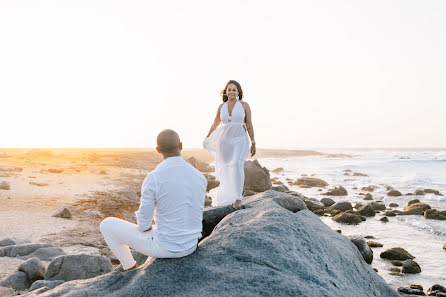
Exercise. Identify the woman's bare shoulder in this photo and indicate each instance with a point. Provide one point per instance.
(245, 104)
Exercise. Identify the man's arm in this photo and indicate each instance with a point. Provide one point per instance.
(144, 215)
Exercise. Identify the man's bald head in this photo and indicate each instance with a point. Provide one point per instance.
(168, 142)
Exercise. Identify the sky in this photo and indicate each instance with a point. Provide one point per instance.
(316, 74)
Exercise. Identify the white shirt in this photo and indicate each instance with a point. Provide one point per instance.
(173, 196)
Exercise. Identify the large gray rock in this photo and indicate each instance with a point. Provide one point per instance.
(262, 250)
(45, 253)
(342, 206)
(18, 281)
(257, 178)
(367, 211)
(19, 250)
(314, 204)
(396, 253)
(12, 241)
(33, 268)
(82, 266)
(417, 208)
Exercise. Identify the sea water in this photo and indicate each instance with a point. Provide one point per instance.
(405, 171)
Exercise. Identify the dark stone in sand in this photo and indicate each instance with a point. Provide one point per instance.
(17, 281)
(396, 253)
(55, 170)
(410, 266)
(4, 185)
(337, 191)
(390, 213)
(374, 244)
(347, 218)
(277, 170)
(368, 196)
(311, 182)
(347, 170)
(377, 206)
(416, 208)
(257, 177)
(359, 174)
(418, 192)
(342, 206)
(409, 194)
(394, 193)
(248, 193)
(411, 291)
(393, 269)
(363, 248)
(397, 262)
(327, 202)
(384, 219)
(262, 250)
(367, 211)
(27, 273)
(413, 201)
(347, 174)
(435, 214)
(393, 205)
(71, 267)
(319, 212)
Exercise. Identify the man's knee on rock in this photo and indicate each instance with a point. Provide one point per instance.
(106, 224)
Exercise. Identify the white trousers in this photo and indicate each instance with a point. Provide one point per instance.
(120, 235)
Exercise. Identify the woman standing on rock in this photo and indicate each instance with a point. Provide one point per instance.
(229, 144)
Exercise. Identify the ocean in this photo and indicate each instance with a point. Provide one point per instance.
(405, 171)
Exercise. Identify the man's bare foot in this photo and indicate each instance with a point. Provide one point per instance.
(237, 204)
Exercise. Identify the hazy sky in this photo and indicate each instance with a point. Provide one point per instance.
(315, 73)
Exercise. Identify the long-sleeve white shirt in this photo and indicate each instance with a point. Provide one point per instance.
(173, 196)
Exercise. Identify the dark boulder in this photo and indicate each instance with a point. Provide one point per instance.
(394, 193)
(416, 208)
(347, 218)
(257, 178)
(311, 182)
(363, 248)
(396, 253)
(367, 211)
(337, 191)
(434, 214)
(410, 266)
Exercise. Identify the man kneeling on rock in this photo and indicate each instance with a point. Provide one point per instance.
(173, 196)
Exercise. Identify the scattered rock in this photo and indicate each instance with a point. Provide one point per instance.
(414, 286)
(327, 202)
(17, 281)
(411, 291)
(397, 262)
(21, 249)
(347, 174)
(102, 172)
(393, 269)
(55, 170)
(393, 205)
(199, 165)
(277, 170)
(280, 188)
(374, 244)
(413, 201)
(5, 186)
(347, 218)
(435, 289)
(314, 204)
(347, 170)
(377, 206)
(444, 246)
(410, 266)
(247, 193)
(38, 184)
(370, 188)
(81, 266)
(33, 268)
(431, 191)
(394, 193)
(359, 174)
(396, 253)
(311, 182)
(45, 253)
(257, 177)
(434, 214)
(212, 182)
(363, 248)
(384, 219)
(342, 206)
(368, 196)
(418, 192)
(207, 201)
(367, 211)
(12, 241)
(416, 208)
(337, 191)
(62, 212)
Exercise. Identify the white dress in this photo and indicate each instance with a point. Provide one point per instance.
(229, 144)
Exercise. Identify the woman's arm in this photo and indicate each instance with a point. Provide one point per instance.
(216, 121)
(250, 127)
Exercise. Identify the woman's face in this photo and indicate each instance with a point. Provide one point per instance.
(231, 91)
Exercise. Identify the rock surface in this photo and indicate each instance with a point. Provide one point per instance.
(394, 193)
(199, 165)
(337, 191)
(63, 212)
(12, 241)
(4, 185)
(396, 253)
(410, 266)
(262, 250)
(363, 248)
(416, 208)
(435, 214)
(71, 267)
(257, 178)
(311, 182)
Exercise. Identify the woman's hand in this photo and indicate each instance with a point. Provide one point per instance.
(253, 149)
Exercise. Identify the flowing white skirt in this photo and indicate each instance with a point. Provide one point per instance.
(229, 144)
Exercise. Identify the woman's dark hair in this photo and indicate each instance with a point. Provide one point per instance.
(239, 88)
